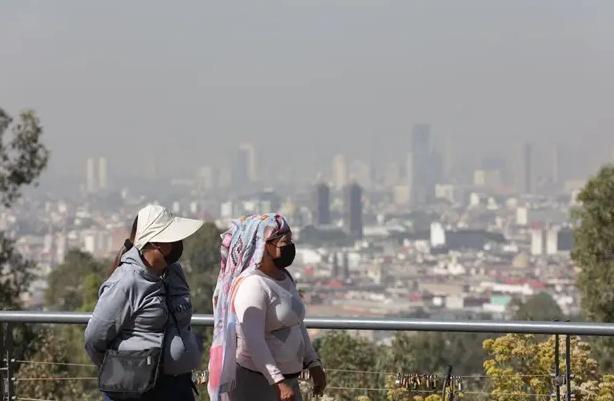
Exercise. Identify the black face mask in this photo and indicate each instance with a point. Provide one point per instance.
(175, 254)
(288, 252)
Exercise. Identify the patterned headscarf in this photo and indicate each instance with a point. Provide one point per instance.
(241, 253)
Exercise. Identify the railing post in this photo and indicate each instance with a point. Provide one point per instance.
(446, 383)
(557, 366)
(568, 366)
(6, 339)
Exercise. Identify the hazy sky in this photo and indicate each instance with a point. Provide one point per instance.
(186, 81)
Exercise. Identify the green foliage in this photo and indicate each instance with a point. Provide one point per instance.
(594, 245)
(16, 273)
(594, 253)
(539, 307)
(42, 377)
(432, 352)
(341, 351)
(606, 389)
(201, 261)
(73, 285)
(521, 365)
(23, 158)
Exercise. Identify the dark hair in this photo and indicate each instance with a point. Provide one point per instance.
(128, 244)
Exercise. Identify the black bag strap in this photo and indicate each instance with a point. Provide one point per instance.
(168, 305)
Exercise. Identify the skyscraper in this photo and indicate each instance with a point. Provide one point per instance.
(527, 163)
(322, 204)
(340, 173)
(103, 174)
(90, 175)
(244, 168)
(421, 178)
(353, 211)
(250, 157)
(205, 178)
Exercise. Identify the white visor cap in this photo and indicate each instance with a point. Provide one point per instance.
(158, 224)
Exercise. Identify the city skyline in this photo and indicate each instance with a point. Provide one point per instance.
(328, 78)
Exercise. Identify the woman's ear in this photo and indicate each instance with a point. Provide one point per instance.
(269, 250)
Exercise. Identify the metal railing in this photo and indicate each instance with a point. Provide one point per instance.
(386, 324)
(561, 379)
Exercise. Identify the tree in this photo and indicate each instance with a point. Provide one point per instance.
(344, 355)
(520, 365)
(539, 307)
(22, 159)
(201, 260)
(594, 245)
(73, 285)
(16, 273)
(432, 352)
(47, 373)
(593, 253)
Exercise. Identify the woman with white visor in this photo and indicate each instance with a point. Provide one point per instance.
(139, 334)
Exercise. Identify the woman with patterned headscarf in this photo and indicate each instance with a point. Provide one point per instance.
(260, 345)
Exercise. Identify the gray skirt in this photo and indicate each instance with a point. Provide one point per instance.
(252, 386)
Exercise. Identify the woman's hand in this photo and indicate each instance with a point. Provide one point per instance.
(319, 379)
(285, 392)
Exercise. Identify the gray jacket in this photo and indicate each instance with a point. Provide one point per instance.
(183, 349)
(131, 312)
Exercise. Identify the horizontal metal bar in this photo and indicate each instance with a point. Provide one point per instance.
(389, 324)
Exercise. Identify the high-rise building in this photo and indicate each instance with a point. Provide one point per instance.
(345, 274)
(90, 175)
(552, 240)
(244, 168)
(353, 212)
(420, 163)
(322, 204)
(250, 156)
(537, 241)
(340, 173)
(527, 168)
(103, 174)
(205, 178)
(334, 273)
(438, 235)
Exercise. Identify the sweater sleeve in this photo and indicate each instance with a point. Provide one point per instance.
(311, 358)
(112, 311)
(251, 303)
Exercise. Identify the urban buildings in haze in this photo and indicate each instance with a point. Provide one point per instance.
(424, 167)
(322, 204)
(527, 168)
(340, 173)
(353, 210)
(243, 171)
(96, 175)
